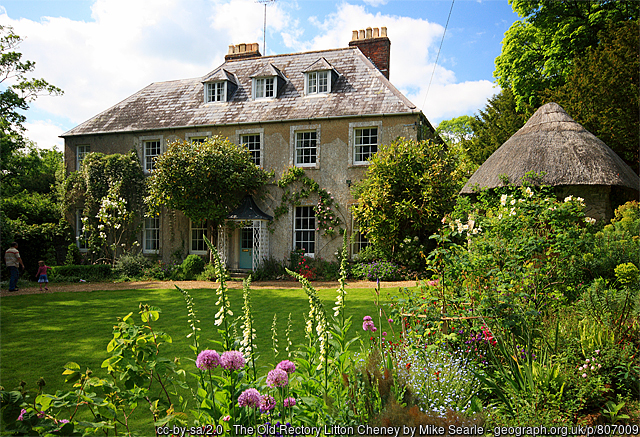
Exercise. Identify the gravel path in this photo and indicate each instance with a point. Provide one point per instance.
(33, 287)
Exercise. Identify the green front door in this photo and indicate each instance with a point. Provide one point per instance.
(245, 260)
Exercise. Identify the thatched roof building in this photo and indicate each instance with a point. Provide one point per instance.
(572, 158)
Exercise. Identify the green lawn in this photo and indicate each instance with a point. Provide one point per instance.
(40, 333)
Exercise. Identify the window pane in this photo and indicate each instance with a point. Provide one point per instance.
(312, 83)
(259, 88)
(306, 148)
(366, 143)
(198, 234)
(269, 87)
(305, 229)
(151, 234)
(253, 144)
(323, 86)
(151, 151)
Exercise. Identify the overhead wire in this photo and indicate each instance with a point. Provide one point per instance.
(438, 56)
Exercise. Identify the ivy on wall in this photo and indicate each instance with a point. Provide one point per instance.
(296, 185)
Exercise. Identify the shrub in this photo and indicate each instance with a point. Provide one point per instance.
(131, 266)
(208, 274)
(92, 272)
(162, 271)
(74, 257)
(192, 266)
(270, 269)
(382, 270)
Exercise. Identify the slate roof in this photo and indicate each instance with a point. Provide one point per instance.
(360, 90)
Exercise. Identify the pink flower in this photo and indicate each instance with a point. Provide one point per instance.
(584, 375)
(277, 378)
(21, 416)
(368, 326)
(232, 360)
(250, 398)
(208, 360)
(367, 318)
(226, 418)
(267, 403)
(289, 402)
(287, 366)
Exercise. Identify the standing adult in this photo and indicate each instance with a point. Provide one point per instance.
(13, 261)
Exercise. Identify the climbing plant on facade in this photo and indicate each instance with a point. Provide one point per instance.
(296, 186)
(110, 190)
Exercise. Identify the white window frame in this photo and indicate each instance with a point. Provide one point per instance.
(293, 138)
(81, 151)
(143, 146)
(193, 227)
(259, 88)
(352, 139)
(154, 237)
(241, 133)
(312, 82)
(219, 93)
(297, 229)
(81, 238)
(196, 136)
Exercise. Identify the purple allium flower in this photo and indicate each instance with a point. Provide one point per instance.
(367, 318)
(368, 325)
(21, 416)
(232, 360)
(267, 403)
(289, 402)
(208, 359)
(277, 378)
(250, 398)
(287, 366)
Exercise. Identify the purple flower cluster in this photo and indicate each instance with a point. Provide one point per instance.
(208, 360)
(287, 366)
(250, 398)
(232, 360)
(289, 402)
(267, 403)
(368, 324)
(277, 378)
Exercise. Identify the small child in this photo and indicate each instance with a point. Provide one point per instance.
(42, 275)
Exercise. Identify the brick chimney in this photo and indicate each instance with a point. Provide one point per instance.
(242, 51)
(375, 45)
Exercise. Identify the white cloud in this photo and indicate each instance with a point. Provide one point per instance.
(376, 3)
(45, 134)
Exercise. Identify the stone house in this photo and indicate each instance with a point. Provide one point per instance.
(325, 111)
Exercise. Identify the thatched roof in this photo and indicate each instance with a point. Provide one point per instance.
(552, 142)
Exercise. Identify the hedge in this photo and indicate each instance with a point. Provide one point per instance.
(93, 272)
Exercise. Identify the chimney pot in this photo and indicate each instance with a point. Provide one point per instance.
(354, 35)
(231, 49)
(368, 33)
(361, 34)
(376, 32)
(243, 48)
(383, 31)
(243, 51)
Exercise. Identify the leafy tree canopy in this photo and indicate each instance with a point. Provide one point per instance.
(19, 92)
(204, 180)
(456, 130)
(408, 188)
(538, 51)
(602, 91)
(493, 126)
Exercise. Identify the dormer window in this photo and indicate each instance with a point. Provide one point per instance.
(319, 78)
(219, 86)
(216, 92)
(267, 82)
(263, 87)
(318, 82)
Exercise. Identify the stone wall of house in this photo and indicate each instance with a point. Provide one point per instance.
(596, 199)
(334, 171)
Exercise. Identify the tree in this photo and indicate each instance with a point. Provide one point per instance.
(538, 51)
(203, 180)
(456, 130)
(493, 126)
(19, 92)
(602, 91)
(111, 191)
(408, 188)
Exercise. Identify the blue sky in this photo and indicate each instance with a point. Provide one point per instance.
(101, 51)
